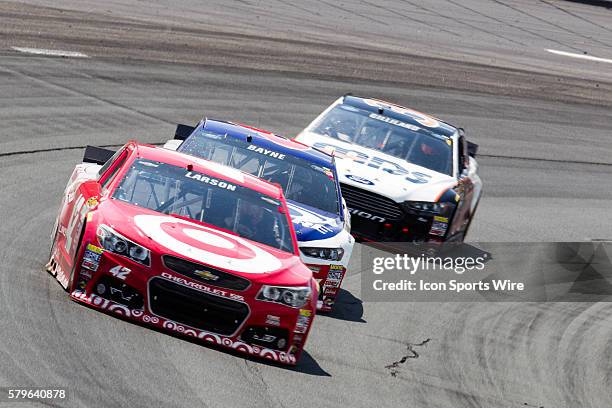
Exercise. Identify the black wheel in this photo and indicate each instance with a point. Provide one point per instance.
(465, 231)
(54, 235)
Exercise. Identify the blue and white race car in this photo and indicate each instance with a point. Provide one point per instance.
(309, 181)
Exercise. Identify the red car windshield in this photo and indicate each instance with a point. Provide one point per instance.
(171, 189)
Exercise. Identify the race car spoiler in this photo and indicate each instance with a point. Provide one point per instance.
(100, 155)
(182, 132)
(97, 155)
(472, 148)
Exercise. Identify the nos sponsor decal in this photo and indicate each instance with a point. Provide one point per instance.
(390, 167)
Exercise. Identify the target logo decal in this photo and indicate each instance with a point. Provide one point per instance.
(207, 245)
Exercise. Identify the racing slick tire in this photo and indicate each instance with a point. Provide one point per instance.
(467, 228)
(76, 257)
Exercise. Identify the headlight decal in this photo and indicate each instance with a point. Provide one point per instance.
(116, 243)
(444, 208)
(329, 254)
(438, 213)
(289, 296)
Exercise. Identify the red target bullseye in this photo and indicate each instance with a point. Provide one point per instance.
(208, 240)
(207, 245)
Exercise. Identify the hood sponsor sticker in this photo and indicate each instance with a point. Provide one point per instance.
(207, 245)
(273, 320)
(358, 179)
(360, 157)
(309, 219)
(91, 257)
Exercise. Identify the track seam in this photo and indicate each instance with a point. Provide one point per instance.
(500, 156)
(518, 10)
(579, 17)
(396, 13)
(475, 27)
(494, 156)
(59, 149)
(516, 27)
(81, 93)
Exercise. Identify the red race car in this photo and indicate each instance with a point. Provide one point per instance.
(185, 245)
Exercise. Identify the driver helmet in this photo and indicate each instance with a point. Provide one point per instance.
(373, 135)
(428, 148)
(345, 125)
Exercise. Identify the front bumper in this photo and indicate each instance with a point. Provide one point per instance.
(409, 229)
(180, 305)
(142, 316)
(329, 274)
(380, 219)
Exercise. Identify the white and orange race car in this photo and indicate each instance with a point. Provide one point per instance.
(405, 176)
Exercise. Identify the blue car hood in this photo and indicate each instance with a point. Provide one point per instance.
(312, 224)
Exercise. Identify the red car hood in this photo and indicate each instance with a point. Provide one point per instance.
(166, 234)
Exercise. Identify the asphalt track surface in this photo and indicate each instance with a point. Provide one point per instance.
(543, 122)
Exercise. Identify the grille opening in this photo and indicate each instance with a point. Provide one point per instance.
(373, 203)
(195, 308)
(205, 274)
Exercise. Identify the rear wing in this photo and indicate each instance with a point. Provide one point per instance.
(182, 132)
(472, 148)
(97, 155)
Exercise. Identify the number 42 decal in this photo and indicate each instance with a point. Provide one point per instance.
(120, 272)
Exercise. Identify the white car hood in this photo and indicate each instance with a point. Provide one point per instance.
(381, 173)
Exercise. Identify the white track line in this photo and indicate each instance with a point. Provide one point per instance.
(53, 53)
(582, 56)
